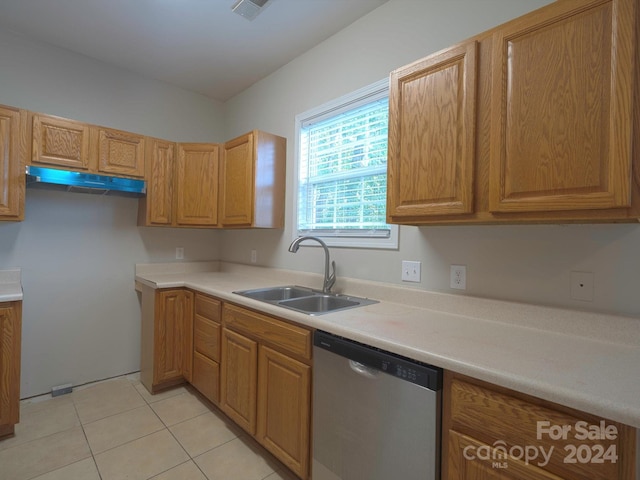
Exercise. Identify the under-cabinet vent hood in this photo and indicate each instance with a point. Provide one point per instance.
(53, 179)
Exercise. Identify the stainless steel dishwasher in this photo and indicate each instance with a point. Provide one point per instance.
(376, 415)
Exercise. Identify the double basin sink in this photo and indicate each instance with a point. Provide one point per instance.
(305, 300)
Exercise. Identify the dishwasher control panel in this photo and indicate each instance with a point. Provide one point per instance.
(405, 368)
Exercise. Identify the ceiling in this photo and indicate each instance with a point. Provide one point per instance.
(200, 45)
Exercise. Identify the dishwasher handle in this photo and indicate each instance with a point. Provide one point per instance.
(362, 369)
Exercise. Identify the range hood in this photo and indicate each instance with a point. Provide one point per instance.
(53, 179)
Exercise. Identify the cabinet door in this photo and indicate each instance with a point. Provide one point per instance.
(197, 184)
(206, 377)
(173, 342)
(12, 181)
(284, 396)
(561, 132)
(60, 142)
(239, 379)
(157, 206)
(236, 181)
(120, 153)
(432, 120)
(10, 335)
(467, 461)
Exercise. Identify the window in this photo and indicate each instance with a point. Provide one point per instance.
(342, 170)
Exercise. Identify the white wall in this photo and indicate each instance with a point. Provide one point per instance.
(523, 263)
(81, 315)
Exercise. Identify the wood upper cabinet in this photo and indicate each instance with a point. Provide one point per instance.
(157, 207)
(481, 422)
(252, 181)
(10, 342)
(196, 184)
(554, 134)
(60, 142)
(562, 118)
(173, 337)
(12, 161)
(431, 149)
(120, 153)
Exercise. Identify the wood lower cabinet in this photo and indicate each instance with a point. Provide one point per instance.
(10, 343)
(167, 338)
(488, 432)
(207, 346)
(284, 407)
(252, 181)
(555, 131)
(12, 161)
(239, 379)
(266, 383)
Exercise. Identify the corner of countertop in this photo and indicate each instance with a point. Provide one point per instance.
(11, 284)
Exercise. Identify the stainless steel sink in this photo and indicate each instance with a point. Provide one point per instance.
(304, 299)
(275, 294)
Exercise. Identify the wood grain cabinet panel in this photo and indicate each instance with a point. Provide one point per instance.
(252, 181)
(562, 120)
(206, 346)
(197, 184)
(239, 379)
(481, 420)
(432, 118)
(157, 207)
(534, 121)
(60, 142)
(120, 153)
(206, 377)
(464, 464)
(284, 400)
(266, 382)
(173, 342)
(10, 343)
(12, 160)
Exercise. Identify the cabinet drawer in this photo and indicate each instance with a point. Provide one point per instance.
(499, 419)
(206, 337)
(206, 377)
(207, 307)
(279, 334)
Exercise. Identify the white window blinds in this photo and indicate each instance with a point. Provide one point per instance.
(342, 181)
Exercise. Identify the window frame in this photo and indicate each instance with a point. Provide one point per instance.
(329, 109)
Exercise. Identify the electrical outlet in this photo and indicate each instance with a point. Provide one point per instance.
(410, 271)
(254, 256)
(582, 286)
(179, 253)
(458, 277)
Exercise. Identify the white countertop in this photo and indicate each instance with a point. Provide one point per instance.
(10, 285)
(584, 360)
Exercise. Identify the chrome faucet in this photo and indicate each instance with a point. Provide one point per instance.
(329, 280)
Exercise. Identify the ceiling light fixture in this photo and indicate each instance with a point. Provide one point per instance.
(249, 9)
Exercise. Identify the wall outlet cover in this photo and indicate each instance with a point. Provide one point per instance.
(458, 278)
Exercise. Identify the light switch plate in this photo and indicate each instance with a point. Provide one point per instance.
(410, 271)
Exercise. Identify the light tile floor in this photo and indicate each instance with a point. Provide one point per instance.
(116, 430)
